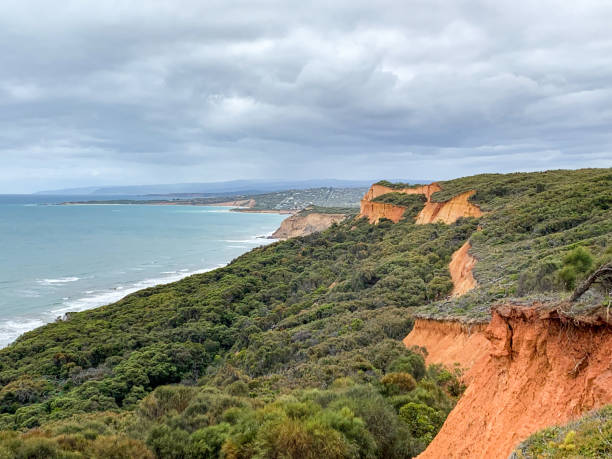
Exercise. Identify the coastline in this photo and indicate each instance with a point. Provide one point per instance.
(248, 210)
(14, 327)
(233, 207)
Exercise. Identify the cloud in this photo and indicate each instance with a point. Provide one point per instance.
(157, 91)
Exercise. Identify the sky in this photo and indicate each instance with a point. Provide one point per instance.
(142, 92)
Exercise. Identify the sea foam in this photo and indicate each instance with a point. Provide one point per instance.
(61, 280)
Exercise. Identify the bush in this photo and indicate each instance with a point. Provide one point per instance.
(422, 420)
(397, 383)
(575, 264)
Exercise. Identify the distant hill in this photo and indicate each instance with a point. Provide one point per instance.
(234, 186)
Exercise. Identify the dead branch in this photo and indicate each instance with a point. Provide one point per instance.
(602, 274)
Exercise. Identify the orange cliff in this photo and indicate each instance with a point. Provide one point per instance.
(529, 369)
(446, 212)
(449, 342)
(460, 269)
(449, 211)
(374, 211)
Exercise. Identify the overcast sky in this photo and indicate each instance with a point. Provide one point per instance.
(138, 92)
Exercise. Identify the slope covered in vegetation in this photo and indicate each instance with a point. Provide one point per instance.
(297, 344)
(590, 436)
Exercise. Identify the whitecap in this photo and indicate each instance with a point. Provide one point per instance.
(119, 292)
(59, 281)
(13, 328)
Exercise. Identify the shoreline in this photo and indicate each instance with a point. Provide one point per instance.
(15, 327)
(232, 208)
(248, 210)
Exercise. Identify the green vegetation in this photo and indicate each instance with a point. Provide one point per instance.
(397, 185)
(301, 313)
(329, 210)
(296, 346)
(345, 420)
(533, 222)
(590, 436)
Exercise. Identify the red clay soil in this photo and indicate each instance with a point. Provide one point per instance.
(449, 342)
(449, 211)
(536, 368)
(461, 270)
(374, 211)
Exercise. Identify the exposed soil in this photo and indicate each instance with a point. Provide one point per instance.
(531, 368)
(449, 211)
(461, 270)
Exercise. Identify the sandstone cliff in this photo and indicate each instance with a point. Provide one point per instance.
(531, 368)
(449, 211)
(302, 225)
(449, 342)
(374, 211)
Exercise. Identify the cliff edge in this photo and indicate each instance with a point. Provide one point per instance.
(534, 368)
(303, 225)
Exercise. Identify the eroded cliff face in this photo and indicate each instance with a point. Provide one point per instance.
(534, 368)
(303, 225)
(449, 342)
(460, 269)
(374, 211)
(449, 211)
(446, 212)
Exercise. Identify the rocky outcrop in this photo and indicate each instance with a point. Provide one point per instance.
(302, 225)
(461, 270)
(536, 368)
(449, 211)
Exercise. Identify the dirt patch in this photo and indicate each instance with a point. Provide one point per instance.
(460, 267)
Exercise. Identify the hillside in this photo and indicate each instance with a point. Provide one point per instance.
(297, 347)
(287, 200)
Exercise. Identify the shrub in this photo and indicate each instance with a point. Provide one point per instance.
(575, 264)
(422, 420)
(397, 383)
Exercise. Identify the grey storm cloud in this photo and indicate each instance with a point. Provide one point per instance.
(119, 92)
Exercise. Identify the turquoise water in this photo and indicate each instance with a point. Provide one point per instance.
(55, 259)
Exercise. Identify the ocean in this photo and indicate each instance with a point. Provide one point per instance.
(55, 259)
